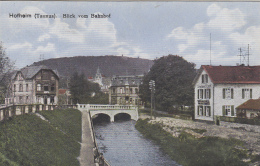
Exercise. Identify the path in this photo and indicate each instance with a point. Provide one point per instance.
(86, 152)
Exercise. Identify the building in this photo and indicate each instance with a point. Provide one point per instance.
(103, 81)
(220, 89)
(33, 85)
(124, 90)
(249, 109)
(64, 97)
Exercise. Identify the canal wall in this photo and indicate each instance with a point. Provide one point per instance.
(89, 153)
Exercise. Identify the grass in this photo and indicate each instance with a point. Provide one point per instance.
(188, 150)
(28, 140)
(67, 120)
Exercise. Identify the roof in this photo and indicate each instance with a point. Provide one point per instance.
(126, 80)
(233, 74)
(62, 91)
(253, 104)
(30, 71)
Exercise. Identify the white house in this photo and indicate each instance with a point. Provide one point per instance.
(221, 89)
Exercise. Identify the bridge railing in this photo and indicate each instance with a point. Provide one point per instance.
(106, 107)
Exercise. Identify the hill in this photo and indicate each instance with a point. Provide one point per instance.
(109, 65)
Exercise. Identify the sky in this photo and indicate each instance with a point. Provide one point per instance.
(203, 33)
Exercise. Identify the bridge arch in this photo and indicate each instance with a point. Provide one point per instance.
(100, 117)
(122, 116)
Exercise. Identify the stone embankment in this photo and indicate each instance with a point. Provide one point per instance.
(246, 133)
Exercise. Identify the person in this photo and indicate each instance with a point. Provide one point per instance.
(101, 160)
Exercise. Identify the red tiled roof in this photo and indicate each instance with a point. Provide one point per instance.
(233, 74)
(250, 104)
(62, 91)
(90, 77)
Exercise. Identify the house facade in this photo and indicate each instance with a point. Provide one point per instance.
(33, 85)
(219, 90)
(124, 90)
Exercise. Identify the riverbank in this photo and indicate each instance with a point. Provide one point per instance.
(245, 145)
(29, 140)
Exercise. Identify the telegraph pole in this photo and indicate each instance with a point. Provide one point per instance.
(152, 88)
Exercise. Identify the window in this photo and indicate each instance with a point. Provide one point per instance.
(204, 111)
(228, 110)
(27, 88)
(204, 78)
(136, 90)
(46, 88)
(20, 87)
(52, 88)
(131, 90)
(246, 93)
(27, 99)
(121, 90)
(14, 88)
(228, 93)
(207, 108)
(200, 110)
(21, 99)
(207, 94)
(200, 93)
(38, 99)
(52, 77)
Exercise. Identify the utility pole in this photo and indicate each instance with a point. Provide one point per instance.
(210, 49)
(248, 55)
(152, 88)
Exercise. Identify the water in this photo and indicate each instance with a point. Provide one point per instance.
(123, 145)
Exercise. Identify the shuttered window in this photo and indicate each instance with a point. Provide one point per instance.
(247, 93)
(228, 110)
(228, 93)
(207, 94)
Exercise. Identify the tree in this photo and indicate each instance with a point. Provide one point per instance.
(6, 67)
(84, 91)
(173, 78)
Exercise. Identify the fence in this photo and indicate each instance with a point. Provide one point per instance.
(240, 120)
(10, 110)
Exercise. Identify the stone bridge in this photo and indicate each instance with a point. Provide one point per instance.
(110, 110)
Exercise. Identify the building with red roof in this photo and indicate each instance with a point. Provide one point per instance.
(219, 90)
(249, 109)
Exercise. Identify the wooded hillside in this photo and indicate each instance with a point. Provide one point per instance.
(109, 65)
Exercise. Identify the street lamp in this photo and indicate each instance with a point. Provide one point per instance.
(152, 88)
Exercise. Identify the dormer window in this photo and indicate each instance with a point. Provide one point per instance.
(204, 78)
